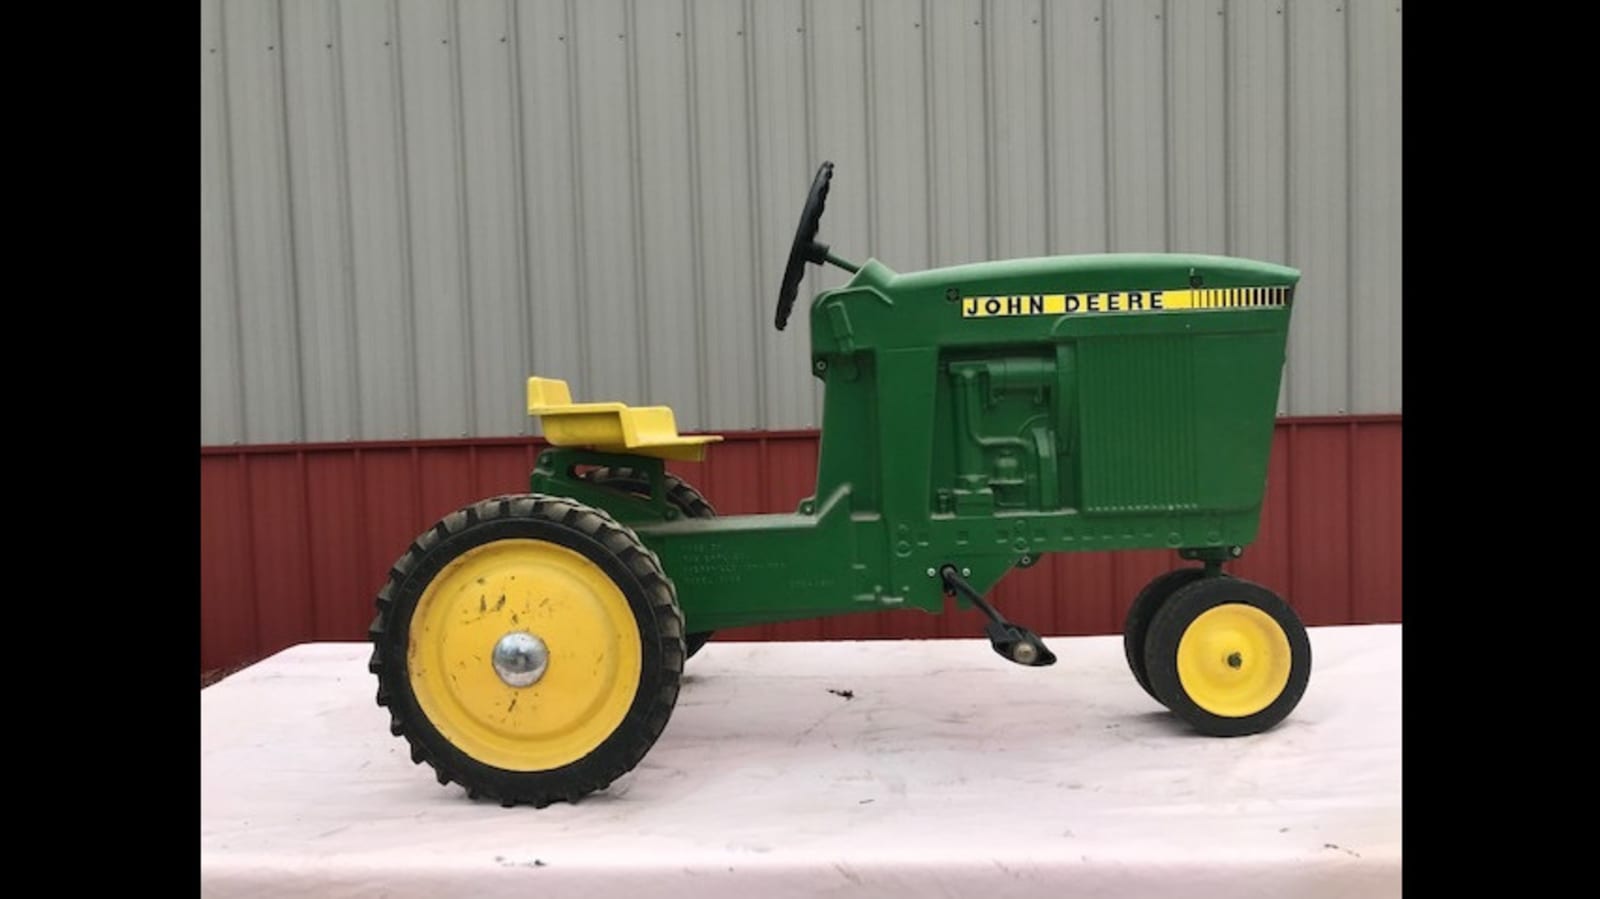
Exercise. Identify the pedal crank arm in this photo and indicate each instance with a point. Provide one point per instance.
(1012, 642)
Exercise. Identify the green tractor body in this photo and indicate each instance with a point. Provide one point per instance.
(984, 415)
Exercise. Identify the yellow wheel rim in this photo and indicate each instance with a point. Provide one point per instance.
(1234, 660)
(555, 594)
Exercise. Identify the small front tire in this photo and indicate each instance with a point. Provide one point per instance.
(1227, 656)
(1137, 625)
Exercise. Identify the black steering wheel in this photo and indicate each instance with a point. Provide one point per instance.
(805, 248)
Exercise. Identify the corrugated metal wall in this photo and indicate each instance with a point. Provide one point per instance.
(407, 207)
(295, 541)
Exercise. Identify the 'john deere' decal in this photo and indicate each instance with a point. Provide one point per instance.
(1125, 301)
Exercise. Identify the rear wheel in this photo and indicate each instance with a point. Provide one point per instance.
(528, 648)
(1227, 656)
(680, 495)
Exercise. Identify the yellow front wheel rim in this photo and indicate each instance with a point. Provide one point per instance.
(561, 597)
(1234, 660)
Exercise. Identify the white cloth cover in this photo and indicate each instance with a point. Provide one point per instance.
(947, 772)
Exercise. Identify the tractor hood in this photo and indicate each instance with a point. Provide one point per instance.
(1103, 272)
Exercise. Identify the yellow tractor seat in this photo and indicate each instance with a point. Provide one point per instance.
(611, 427)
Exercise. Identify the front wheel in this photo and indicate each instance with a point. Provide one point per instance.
(1137, 625)
(1227, 656)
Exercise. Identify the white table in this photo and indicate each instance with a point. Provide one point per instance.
(949, 773)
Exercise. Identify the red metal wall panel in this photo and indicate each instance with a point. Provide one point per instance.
(1374, 524)
(296, 539)
(227, 583)
(281, 549)
(335, 543)
(1319, 524)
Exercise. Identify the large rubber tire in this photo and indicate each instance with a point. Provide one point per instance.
(685, 498)
(1228, 656)
(592, 544)
(1144, 607)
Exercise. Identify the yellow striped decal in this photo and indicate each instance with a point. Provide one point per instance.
(1125, 301)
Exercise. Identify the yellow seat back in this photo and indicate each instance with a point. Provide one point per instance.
(610, 427)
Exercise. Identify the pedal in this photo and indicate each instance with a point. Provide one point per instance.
(1017, 644)
(1013, 642)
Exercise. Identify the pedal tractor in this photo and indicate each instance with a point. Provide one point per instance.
(529, 647)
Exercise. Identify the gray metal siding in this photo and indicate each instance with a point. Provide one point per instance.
(407, 207)
(1372, 34)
